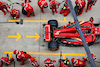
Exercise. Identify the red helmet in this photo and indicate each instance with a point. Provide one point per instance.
(23, 4)
(66, 2)
(0, 3)
(53, 2)
(6, 59)
(13, 11)
(76, 1)
(48, 60)
(72, 59)
(45, 4)
(15, 52)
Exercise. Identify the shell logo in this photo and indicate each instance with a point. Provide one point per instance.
(57, 32)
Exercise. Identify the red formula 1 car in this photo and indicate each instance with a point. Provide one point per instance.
(68, 34)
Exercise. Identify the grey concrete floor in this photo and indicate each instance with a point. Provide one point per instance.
(29, 29)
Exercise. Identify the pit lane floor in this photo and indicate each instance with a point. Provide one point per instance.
(29, 29)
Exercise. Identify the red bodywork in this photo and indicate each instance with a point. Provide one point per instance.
(69, 34)
(47, 34)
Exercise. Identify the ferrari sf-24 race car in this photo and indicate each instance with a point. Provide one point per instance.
(68, 34)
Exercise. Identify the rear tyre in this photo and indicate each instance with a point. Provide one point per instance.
(53, 46)
(53, 23)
